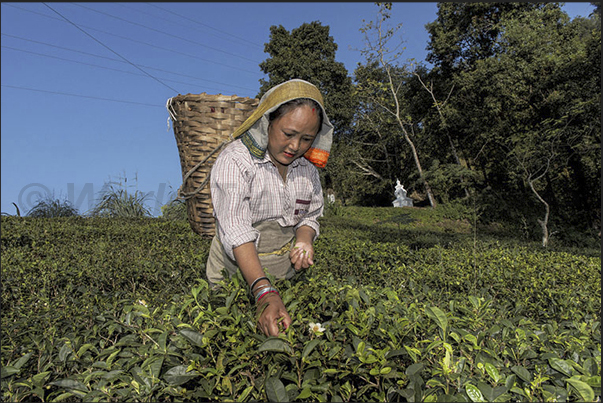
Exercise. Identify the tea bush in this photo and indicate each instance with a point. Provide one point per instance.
(412, 307)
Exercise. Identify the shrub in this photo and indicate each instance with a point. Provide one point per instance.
(51, 208)
(120, 203)
(98, 309)
(174, 210)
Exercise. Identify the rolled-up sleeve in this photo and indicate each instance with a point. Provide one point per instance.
(230, 185)
(315, 210)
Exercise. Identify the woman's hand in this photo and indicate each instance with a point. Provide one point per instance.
(271, 312)
(302, 255)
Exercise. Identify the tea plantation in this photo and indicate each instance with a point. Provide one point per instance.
(412, 306)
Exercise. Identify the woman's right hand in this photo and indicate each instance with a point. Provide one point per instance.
(272, 312)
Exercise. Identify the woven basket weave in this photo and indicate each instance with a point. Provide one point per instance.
(203, 125)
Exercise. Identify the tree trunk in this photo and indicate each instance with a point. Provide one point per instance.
(443, 119)
(543, 223)
(415, 155)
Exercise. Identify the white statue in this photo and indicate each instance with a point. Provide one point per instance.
(401, 199)
(400, 191)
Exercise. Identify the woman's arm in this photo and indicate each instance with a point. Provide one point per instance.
(271, 304)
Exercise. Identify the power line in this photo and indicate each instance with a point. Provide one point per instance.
(107, 58)
(238, 41)
(96, 65)
(111, 50)
(136, 41)
(80, 96)
(165, 33)
(205, 25)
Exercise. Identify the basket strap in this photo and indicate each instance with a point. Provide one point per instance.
(185, 196)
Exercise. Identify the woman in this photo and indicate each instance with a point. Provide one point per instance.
(267, 196)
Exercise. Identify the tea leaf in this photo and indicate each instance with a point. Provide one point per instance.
(474, 394)
(585, 391)
(84, 348)
(309, 347)
(395, 353)
(64, 352)
(276, 345)
(360, 348)
(9, 370)
(414, 368)
(304, 394)
(194, 337)
(487, 391)
(590, 365)
(561, 366)
(39, 379)
(69, 384)
(275, 390)
(438, 316)
(22, 361)
(155, 367)
(522, 373)
(244, 395)
(179, 375)
(492, 371)
(112, 375)
(163, 341)
(385, 370)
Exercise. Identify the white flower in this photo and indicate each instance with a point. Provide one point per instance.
(142, 302)
(316, 328)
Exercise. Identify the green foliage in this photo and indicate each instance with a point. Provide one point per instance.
(525, 110)
(414, 307)
(446, 180)
(51, 208)
(174, 210)
(464, 33)
(308, 53)
(116, 202)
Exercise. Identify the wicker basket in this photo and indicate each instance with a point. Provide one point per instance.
(203, 125)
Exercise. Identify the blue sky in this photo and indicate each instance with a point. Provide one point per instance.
(84, 85)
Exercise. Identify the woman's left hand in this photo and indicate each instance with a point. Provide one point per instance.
(302, 255)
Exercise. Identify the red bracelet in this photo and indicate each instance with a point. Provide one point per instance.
(262, 296)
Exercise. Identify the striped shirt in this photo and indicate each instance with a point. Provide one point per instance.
(246, 190)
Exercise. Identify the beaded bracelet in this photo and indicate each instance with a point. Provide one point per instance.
(268, 291)
(256, 281)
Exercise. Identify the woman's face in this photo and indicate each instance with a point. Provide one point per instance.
(292, 134)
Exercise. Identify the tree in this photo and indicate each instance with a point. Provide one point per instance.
(308, 53)
(464, 33)
(526, 102)
(531, 104)
(386, 96)
(461, 36)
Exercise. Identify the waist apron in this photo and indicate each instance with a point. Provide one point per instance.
(273, 251)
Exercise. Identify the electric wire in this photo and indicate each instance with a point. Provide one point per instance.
(204, 25)
(166, 33)
(106, 58)
(137, 41)
(111, 50)
(81, 96)
(238, 41)
(101, 67)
